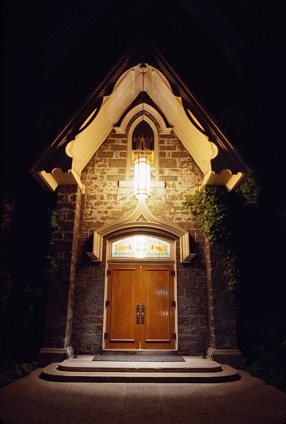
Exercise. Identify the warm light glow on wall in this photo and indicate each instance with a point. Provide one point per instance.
(142, 177)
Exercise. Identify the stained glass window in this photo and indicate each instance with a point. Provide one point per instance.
(143, 137)
(141, 246)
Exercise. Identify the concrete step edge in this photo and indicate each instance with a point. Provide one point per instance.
(133, 368)
(51, 373)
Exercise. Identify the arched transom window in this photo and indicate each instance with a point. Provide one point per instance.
(141, 247)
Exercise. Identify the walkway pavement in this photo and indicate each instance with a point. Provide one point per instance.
(249, 400)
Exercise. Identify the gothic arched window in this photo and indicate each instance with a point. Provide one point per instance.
(143, 137)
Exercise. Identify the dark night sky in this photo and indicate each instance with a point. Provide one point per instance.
(43, 73)
(53, 56)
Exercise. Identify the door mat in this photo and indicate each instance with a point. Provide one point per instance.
(139, 358)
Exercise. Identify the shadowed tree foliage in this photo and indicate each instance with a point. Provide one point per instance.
(18, 306)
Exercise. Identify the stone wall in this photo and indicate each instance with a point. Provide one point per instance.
(104, 202)
(222, 323)
(60, 305)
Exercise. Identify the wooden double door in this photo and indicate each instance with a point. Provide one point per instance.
(140, 307)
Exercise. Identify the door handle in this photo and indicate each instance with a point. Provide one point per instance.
(143, 314)
(137, 314)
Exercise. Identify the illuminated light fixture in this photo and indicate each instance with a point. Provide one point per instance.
(141, 156)
(142, 177)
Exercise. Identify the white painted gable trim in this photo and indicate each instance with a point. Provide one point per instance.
(190, 129)
(125, 91)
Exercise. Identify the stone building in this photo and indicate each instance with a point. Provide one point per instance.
(132, 270)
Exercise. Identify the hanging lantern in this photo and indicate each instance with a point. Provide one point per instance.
(142, 177)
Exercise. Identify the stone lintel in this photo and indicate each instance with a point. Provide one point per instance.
(225, 356)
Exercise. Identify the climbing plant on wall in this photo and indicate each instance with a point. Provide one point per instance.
(210, 207)
(213, 207)
(55, 229)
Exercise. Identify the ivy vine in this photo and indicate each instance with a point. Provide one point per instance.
(55, 229)
(212, 207)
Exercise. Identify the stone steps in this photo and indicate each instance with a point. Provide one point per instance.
(193, 370)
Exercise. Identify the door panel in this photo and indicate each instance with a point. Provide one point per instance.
(122, 291)
(157, 296)
(139, 314)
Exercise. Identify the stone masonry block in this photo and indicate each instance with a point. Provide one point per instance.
(116, 163)
(168, 163)
(183, 154)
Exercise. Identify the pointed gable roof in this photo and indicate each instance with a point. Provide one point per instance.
(83, 134)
